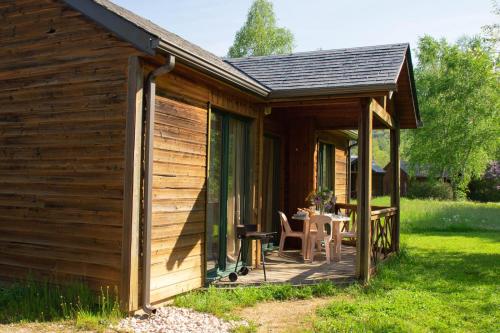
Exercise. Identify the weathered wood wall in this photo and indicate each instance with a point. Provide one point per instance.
(404, 181)
(180, 171)
(301, 162)
(299, 169)
(63, 89)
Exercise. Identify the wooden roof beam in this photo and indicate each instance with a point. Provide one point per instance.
(380, 111)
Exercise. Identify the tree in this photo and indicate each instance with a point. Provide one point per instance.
(458, 91)
(260, 35)
(491, 34)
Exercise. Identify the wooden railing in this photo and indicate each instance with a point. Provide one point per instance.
(382, 232)
(382, 228)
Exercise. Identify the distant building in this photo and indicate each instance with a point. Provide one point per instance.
(420, 174)
(377, 178)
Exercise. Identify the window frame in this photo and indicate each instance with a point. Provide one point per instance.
(329, 148)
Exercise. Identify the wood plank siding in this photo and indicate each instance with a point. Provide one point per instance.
(179, 175)
(179, 171)
(300, 136)
(63, 91)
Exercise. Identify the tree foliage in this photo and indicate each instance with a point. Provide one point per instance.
(260, 35)
(491, 34)
(458, 91)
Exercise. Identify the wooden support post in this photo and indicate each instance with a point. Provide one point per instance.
(129, 288)
(260, 182)
(364, 191)
(395, 179)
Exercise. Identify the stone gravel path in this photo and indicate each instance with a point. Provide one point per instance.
(177, 320)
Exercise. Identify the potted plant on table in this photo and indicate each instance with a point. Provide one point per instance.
(324, 200)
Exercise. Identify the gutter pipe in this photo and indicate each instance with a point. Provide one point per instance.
(148, 179)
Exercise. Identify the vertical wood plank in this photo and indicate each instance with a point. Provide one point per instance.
(132, 187)
(396, 178)
(207, 176)
(364, 191)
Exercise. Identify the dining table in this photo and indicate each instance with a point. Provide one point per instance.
(337, 219)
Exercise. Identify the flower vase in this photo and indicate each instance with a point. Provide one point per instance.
(321, 209)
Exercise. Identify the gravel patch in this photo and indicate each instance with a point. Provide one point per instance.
(172, 319)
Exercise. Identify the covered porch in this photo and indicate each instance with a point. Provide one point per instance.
(324, 104)
(291, 268)
(303, 129)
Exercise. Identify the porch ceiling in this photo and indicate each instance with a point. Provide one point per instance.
(337, 114)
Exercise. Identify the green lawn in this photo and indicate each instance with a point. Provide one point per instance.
(446, 278)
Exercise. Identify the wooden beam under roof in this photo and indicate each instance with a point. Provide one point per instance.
(380, 111)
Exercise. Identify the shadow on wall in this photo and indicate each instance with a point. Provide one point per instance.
(188, 223)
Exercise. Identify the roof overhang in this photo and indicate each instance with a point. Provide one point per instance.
(413, 88)
(352, 135)
(333, 91)
(151, 44)
(209, 68)
(124, 29)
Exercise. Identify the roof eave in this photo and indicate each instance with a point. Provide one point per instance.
(150, 44)
(351, 134)
(413, 88)
(124, 29)
(329, 91)
(211, 69)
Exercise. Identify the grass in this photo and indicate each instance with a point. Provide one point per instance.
(222, 302)
(444, 280)
(35, 301)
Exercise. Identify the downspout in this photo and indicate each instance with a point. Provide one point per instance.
(148, 179)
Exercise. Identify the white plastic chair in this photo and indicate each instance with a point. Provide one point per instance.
(320, 221)
(286, 231)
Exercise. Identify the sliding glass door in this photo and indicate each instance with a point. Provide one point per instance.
(228, 189)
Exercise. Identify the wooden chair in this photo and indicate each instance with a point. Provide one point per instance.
(286, 231)
(320, 221)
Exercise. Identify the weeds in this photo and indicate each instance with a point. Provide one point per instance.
(31, 300)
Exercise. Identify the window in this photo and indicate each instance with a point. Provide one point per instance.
(325, 167)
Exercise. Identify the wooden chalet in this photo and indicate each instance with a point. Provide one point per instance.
(378, 178)
(128, 154)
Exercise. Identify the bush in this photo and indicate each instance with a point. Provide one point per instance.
(486, 188)
(430, 190)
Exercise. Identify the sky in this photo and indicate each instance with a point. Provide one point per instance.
(320, 24)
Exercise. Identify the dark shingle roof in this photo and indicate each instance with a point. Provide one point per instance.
(342, 68)
(362, 69)
(375, 167)
(166, 37)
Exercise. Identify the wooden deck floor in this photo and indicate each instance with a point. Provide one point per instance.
(290, 268)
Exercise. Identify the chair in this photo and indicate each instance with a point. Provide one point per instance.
(320, 221)
(347, 232)
(286, 231)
